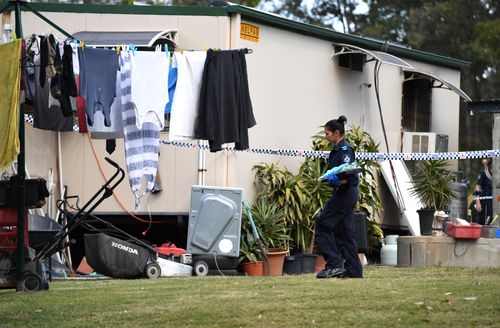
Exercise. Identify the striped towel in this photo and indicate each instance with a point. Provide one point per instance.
(142, 146)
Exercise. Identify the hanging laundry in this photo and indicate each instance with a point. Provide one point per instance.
(99, 130)
(187, 92)
(225, 109)
(80, 102)
(10, 75)
(172, 83)
(44, 60)
(243, 101)
(52, 61)
(142, 146)
(149, 86)
(47, 113)
(98, 69)
(67, 81)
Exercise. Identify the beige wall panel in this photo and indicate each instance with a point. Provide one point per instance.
(186, 175)
(41, 156)
(123, 22)
(70, 22)
(40, 151)
(195, 32)
(201, 33)
(216, 165)
(296, 87)
(73, 153)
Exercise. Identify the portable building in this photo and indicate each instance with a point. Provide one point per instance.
(300, 76)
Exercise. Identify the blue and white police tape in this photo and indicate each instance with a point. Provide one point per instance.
(359, 155)
(364, 156)
(483, 197)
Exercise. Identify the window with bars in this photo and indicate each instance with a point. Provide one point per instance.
(416, 107)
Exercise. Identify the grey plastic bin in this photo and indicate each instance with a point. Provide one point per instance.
(215, 221)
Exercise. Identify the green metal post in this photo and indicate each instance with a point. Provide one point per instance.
(20, 171)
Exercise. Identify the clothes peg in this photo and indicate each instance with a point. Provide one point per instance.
(133, 49)
(118, 48)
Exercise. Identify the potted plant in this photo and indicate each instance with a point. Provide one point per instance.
(269, 221)
(432, 186)
(279, 186)
(302, 196)
(251, 251)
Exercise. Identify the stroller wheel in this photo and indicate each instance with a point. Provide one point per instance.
(201, 268)
(153, 270)
(32, 282)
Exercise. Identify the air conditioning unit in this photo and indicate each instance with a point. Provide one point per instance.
(424, 142)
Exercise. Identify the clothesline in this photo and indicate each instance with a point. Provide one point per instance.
(126, 93)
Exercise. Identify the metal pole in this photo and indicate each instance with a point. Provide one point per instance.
(21, 174)
(496, 169)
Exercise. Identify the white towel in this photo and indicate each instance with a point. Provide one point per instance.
(149, 85)
(142, 146)
(190, 66)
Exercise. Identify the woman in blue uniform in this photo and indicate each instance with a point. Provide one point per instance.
(335, 229)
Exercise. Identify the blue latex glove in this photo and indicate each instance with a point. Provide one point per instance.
(333, 180)
(332, 171)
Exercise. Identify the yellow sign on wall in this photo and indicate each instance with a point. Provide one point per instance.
(249, 32)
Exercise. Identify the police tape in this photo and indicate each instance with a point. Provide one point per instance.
(483, 197)
(359, 155)
(364, 156)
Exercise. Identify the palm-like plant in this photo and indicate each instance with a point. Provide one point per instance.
(432, 184)
(280, 186)
(270, 224)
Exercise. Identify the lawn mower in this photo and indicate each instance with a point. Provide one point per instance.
(109, 250)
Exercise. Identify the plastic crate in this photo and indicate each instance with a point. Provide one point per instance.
(8, 229)
(472, 231)
(488, 232)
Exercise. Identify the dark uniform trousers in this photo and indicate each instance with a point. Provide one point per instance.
(335, 232)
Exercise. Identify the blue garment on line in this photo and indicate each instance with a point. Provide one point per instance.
(172, 82)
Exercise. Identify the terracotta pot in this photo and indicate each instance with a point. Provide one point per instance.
(273, 266)
(320, 263)
(252, 269)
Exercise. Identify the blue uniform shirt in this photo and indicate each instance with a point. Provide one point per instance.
(485, 183)
(340, 154)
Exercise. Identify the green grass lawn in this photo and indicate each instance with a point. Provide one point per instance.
(386, 297)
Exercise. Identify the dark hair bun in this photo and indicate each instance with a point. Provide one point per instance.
(342, 119)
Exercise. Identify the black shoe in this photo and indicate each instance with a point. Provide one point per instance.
(322, 274)
(332, 273)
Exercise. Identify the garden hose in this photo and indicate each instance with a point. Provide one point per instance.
(256, 233)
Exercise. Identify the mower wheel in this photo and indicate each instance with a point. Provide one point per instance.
(200, 268)
(153, 270)
(32, 282)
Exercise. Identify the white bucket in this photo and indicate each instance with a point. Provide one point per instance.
(389, 251)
